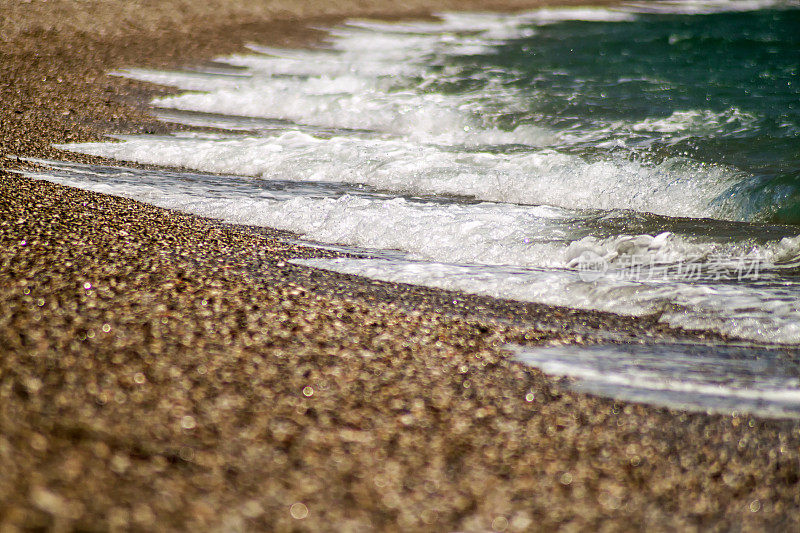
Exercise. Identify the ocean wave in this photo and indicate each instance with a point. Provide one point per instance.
(469, 233)
(674, 187)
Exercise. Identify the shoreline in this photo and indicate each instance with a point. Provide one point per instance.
(163, 370)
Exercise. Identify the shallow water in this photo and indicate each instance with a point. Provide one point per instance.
(711, 379)
(638, 159)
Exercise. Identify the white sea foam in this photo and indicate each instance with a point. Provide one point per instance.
(343, 97)
(698, 121)
(677, 126)
(452, 232)
(431, 118)
(678, 188)
(325, 62)
(494, 25)
(586, 14)
(373, 76)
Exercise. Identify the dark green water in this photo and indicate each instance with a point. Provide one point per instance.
(721, 89)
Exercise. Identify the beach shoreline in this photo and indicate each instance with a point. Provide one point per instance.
(163, 370)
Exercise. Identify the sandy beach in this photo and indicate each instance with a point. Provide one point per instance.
(160, 371)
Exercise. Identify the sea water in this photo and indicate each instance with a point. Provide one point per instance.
(640, 159)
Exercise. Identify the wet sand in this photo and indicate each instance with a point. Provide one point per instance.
(163, 371)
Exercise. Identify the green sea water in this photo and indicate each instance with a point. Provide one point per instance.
(721, 89)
